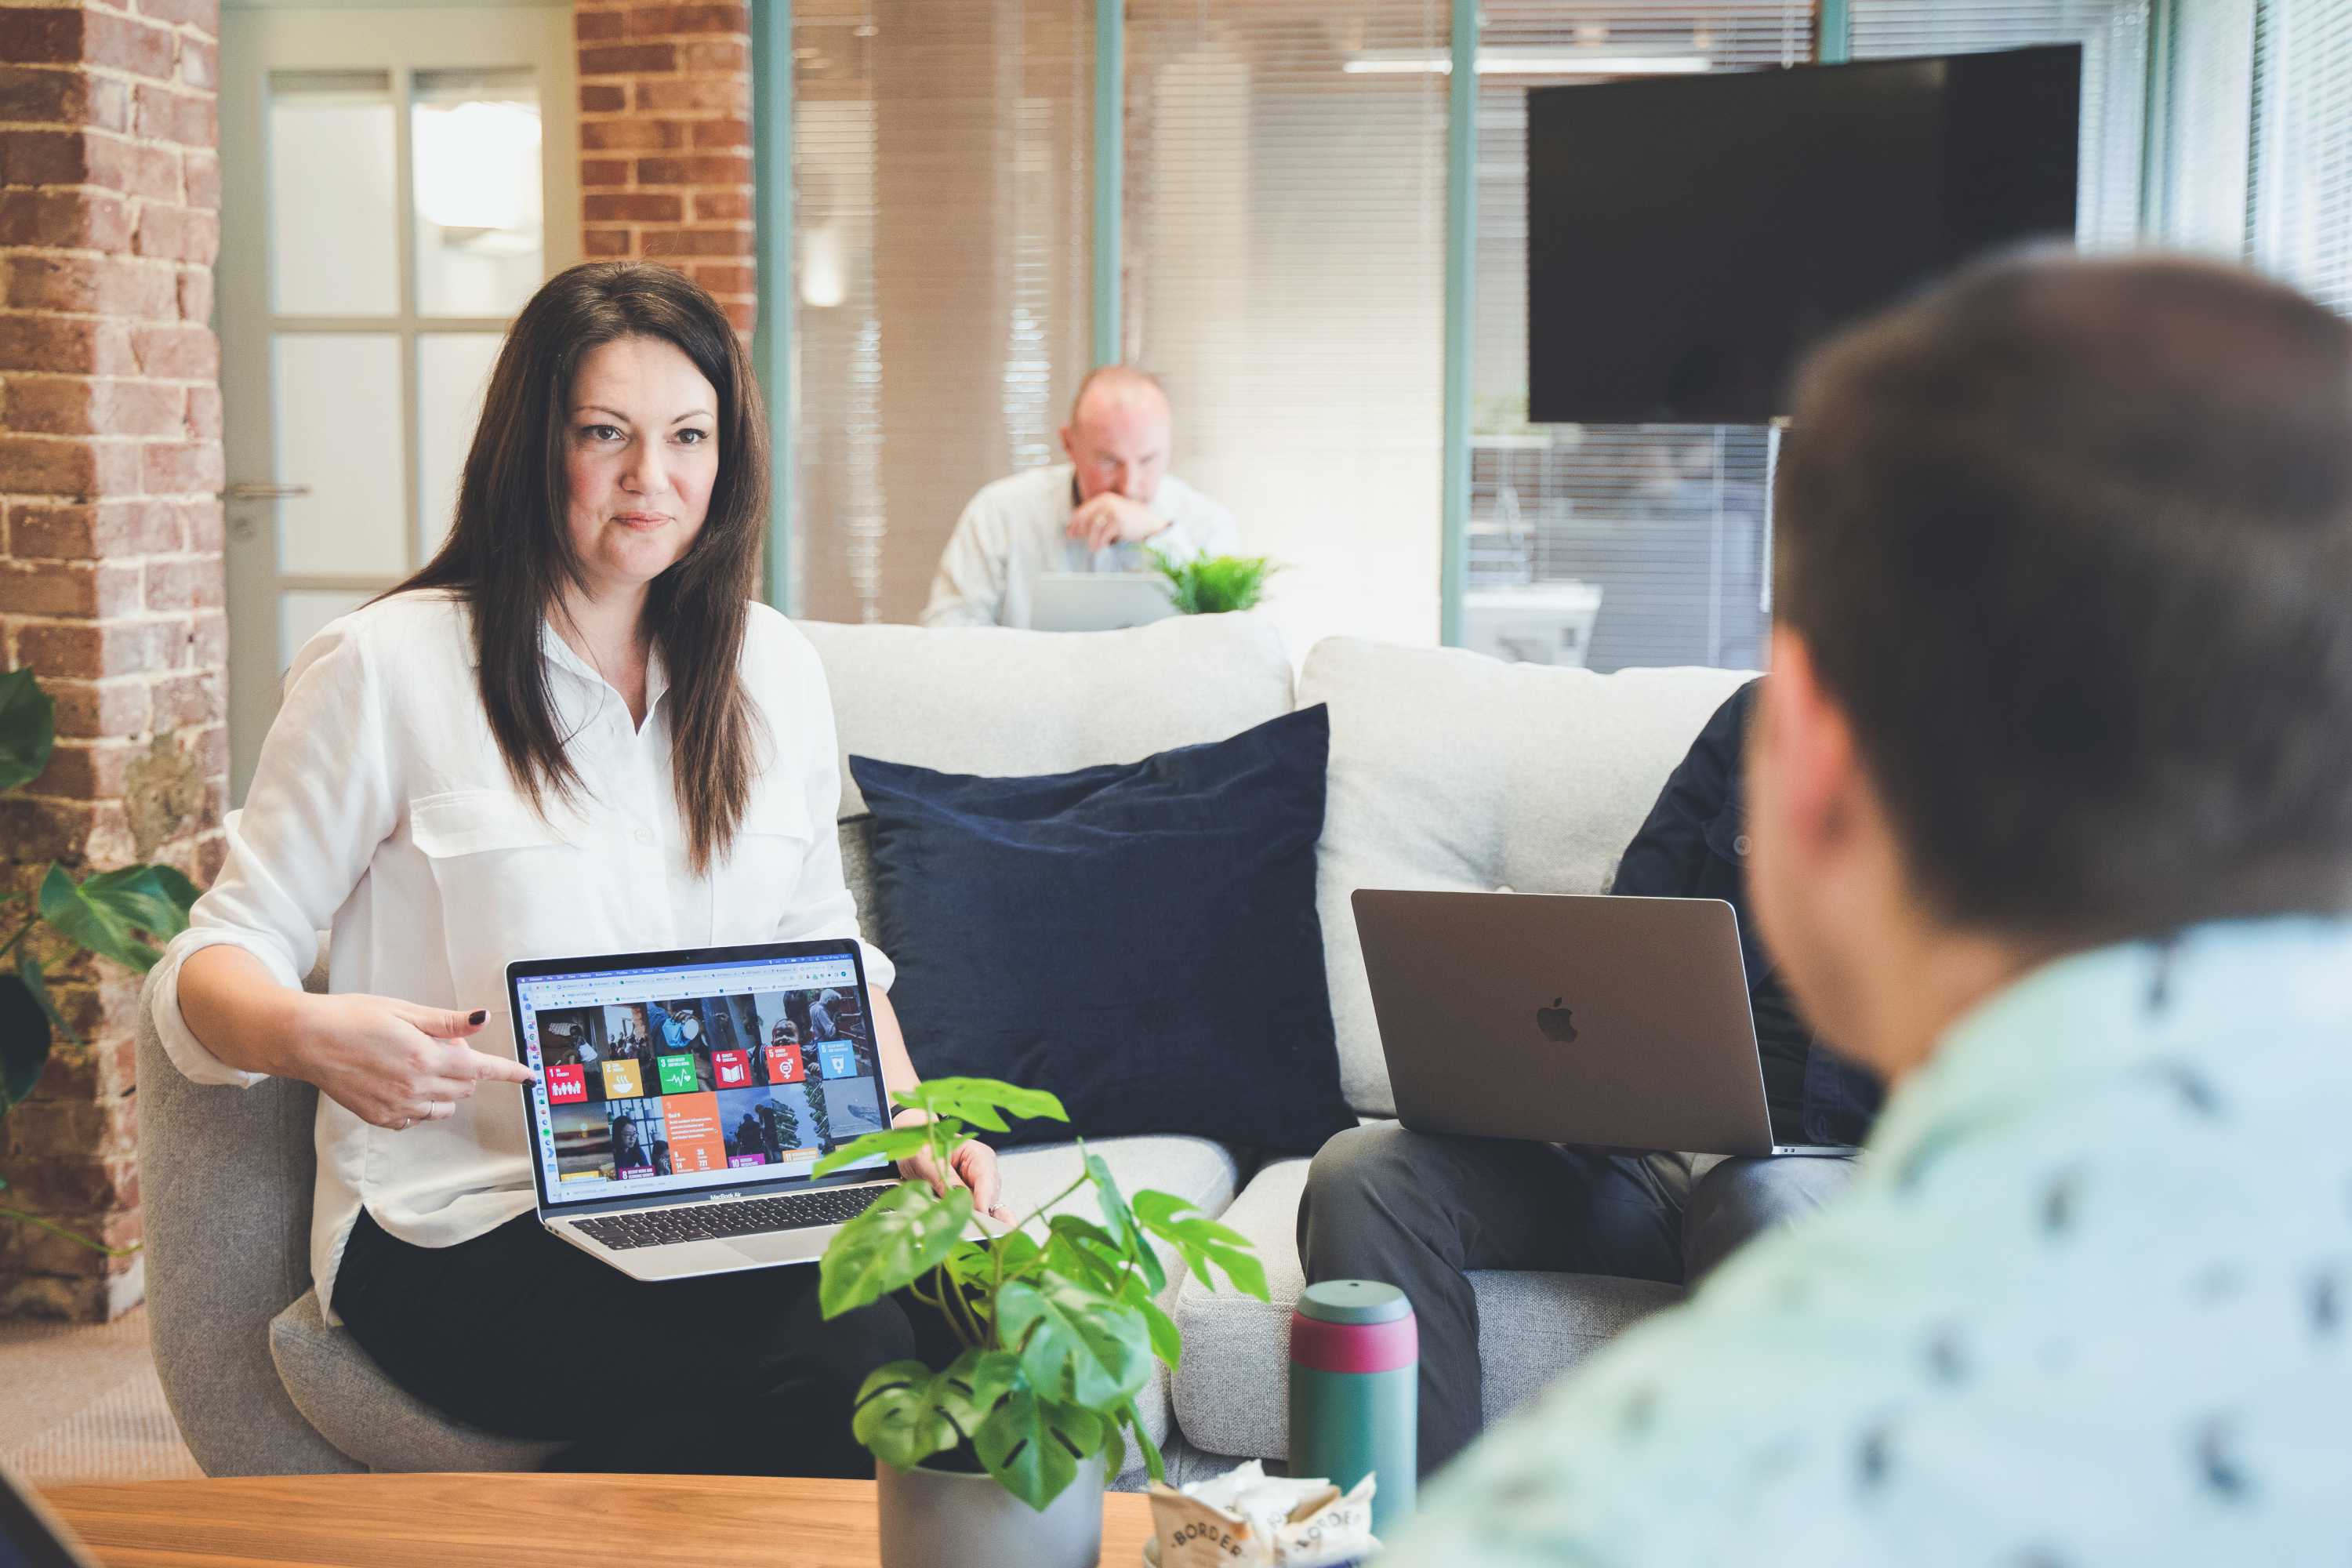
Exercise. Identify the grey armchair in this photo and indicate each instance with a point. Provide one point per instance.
(258, 1382)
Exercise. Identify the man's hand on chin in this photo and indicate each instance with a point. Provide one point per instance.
(1111, 519)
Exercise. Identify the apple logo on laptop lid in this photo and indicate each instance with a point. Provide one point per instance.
(1558, 1023)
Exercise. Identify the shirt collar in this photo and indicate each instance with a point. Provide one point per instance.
(2218, 996)
(564, 657)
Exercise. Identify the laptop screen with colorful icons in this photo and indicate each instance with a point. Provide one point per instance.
(676, 1072)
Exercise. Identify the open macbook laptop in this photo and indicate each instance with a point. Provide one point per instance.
(683, 1098)
(30, 1535)
(1616, 1022)
(1098, 601)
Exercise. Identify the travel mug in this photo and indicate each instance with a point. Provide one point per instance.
(1355, 1390)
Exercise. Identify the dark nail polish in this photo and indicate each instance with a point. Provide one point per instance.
(477, 1014)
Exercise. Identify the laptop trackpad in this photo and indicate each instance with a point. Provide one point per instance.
(784, 1246)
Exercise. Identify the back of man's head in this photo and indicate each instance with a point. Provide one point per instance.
(2071, 542)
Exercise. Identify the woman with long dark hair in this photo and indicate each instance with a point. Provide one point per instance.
(573, 705)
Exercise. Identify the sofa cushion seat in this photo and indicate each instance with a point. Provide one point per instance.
(339, 1390)
(1191, 1168)
(1232, 1391)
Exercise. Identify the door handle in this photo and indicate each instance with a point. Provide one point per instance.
(263, 490)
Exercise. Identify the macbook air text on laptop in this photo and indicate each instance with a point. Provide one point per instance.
(1564, 1018)
(684, 1097)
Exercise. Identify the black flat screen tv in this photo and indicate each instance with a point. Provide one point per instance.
(1688, 237)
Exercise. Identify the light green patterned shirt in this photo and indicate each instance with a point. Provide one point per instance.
(2085, 1304)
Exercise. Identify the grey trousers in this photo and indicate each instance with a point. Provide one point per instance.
(1417, 1211)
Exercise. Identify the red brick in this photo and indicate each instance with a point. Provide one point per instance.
(63, 95)
(33, 831)
(722, 206)
(75, 1127)
(596, 243)
(204, 181)
(65, 343)
(93, 533)
(206, 525)
(722, 278)
(181, 352)
(723, 133)
(73, 1187)
(87, 770)
(196, 294)
(64, 220)
(595, 26)
(89, 158)
(210, 856)
(631, 206)
(656, 21)
(602, 98)
(629, 135)
(108, 285)
(741, 314)
(160, 114)
(69, 588)
(698, 242)
(91, 707)
(47, 35)
(47, 1256)
(202, 15)
(76, 406)
(97, 1070)
(122, 44)
(94, 652)
(205, 413)
(179, 234)
(724, 95)
(629, 59)
(40, 464)
(200, 63)
(182, 467)
(205, 646)
(702, 169)
(184, 584)
(715, 57)
(603, 171)
(188, 699)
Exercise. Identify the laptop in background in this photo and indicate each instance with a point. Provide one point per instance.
(684, 1097)
(1098, 601)
(1566, 1018)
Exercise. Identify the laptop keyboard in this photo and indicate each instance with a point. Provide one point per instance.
(713, 1222)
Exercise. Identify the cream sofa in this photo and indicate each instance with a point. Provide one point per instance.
(1448, 770)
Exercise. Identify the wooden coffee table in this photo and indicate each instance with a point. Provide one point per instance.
(502, 1522)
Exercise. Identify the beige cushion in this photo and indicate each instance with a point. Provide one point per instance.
(1453, 770)
(1004, 703)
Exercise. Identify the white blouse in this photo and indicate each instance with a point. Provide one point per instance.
(381, 812)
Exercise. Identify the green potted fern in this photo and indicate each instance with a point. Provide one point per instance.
(1215, 584)
(105, 913)
(1001, 1456)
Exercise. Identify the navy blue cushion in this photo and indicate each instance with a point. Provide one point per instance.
(1140, 939)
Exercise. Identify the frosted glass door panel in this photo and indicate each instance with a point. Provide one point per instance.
(339, 423)
(334, 243)
(453, 369)
(480, 248)
(301, 613)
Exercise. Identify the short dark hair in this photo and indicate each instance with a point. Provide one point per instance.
(2071, 542)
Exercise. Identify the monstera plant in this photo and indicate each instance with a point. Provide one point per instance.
(104, 913)
(1059, 1322)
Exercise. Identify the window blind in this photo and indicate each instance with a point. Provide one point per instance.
(2208, 130)
(1666, 521)
(942, 169)
(1284, 272)
(2115, 39)
(2302, 176)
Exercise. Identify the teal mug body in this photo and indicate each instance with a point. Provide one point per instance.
(1355, 1392)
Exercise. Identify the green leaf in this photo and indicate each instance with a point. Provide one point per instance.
(890, 1245)
(1152, 1462)
(1031, 1445)
(1214, 584)
(979, 1100)
(1166, 1343)
(896, 1418)
(1121, 1220)
(104, 911)
(1076, 1342)
(37, 980)
(1204, 1242)
(28, 728)
(24, 1015)
(972, 1388)
(893, 1144)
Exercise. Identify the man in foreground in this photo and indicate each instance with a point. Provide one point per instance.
(2050, 800)
(1102, 510)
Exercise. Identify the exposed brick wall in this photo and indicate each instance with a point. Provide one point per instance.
(110, 536)
(666, 140)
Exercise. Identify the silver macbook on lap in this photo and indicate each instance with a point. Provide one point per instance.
(1615, 1022)
(683, 1098)
(1098, 601)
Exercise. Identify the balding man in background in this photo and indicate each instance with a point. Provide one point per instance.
(1104, 510)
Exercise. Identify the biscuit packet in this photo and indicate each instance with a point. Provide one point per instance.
(1246, 1518)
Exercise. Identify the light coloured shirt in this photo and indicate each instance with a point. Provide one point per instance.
(2089, 1302)
(381, 812)
(1018, 527)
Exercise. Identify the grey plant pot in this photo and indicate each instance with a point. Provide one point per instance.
(932, 1519)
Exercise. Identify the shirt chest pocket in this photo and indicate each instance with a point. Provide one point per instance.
(510, 885)
(760, 878)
